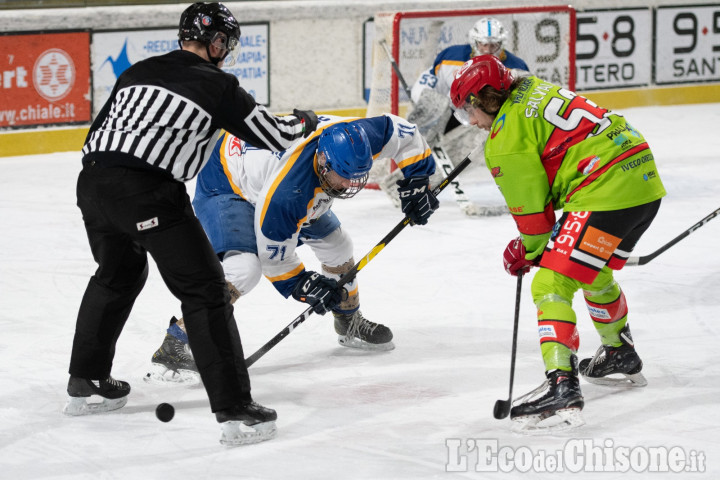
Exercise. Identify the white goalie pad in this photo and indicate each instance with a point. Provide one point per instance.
(474, 210)
(430, 109)
(543, 424)
(431, 114)
(388, 184)
(444, 166)
(235, 434)
(463, 139)
(77, 406)
(161, 375)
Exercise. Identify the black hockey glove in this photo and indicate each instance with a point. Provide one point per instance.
(309, 119)
(416, 199)
(320, 292)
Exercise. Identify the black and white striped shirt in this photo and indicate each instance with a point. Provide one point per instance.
(166, 112)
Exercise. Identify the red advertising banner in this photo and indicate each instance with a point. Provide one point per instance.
(44, 79)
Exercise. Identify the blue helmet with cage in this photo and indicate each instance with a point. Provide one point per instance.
(345, 148)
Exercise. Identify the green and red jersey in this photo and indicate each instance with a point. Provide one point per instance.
(551, 149)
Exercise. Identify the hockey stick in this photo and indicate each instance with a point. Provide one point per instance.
(502, 407)
(442, 159)
(396, 68)
(647, 258)
(352, 273)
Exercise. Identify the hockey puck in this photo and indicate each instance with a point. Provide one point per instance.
(165, 412)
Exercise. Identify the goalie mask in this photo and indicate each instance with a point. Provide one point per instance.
(482, 82)
(487, 37)
(211, 24)
(344, 159)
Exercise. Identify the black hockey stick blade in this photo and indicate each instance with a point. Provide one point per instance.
(502, 407)
(647, 258)
(348, 276)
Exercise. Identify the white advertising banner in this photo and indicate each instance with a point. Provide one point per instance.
(687, 49)
(613, 49)
(113, 52)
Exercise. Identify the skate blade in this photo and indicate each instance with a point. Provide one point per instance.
(237, 433)
(161, 375)
(472, 210)
(77, 406)
(358, 344)
(634, 380)
(562, 420)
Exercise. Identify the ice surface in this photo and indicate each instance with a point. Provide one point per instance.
(350, 415)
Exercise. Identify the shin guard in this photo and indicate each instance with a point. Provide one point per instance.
(609, 314)
(352, 303)
(559, 337)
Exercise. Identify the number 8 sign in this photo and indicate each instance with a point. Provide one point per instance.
(613, 48)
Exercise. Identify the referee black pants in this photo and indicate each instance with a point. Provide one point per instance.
(128, 213)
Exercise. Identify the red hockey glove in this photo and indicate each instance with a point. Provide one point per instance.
(514, 258)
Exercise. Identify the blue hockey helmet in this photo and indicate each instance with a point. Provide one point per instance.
(344, 151)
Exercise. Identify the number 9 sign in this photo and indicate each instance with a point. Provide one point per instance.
(688, 44)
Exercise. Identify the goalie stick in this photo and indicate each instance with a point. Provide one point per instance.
(632, 261)
(469, 208)
(352, 273)
(442, 159)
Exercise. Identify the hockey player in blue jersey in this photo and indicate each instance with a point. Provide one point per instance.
(432, 111)
(257, 207)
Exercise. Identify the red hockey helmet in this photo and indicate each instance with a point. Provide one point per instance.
(476, 74)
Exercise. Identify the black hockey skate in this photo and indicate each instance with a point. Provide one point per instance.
(622, 361)
(558, 409)
(113, 393)
(356, 331)
(173, 363)
(246, 423)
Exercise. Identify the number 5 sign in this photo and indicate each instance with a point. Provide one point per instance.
(687, 44)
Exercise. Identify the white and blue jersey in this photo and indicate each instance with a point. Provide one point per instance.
(282, 195)
(440, 75)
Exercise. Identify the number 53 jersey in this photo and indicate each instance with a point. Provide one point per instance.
(551, 149)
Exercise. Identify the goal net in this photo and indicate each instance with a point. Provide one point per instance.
(544, 37)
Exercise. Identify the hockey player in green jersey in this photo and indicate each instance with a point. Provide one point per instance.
(550, 149)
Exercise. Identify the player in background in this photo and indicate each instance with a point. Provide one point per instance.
(432, 111)
(154, 133)
(257, 207)
(551, 149)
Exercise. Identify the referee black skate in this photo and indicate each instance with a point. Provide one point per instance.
(154, 133)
